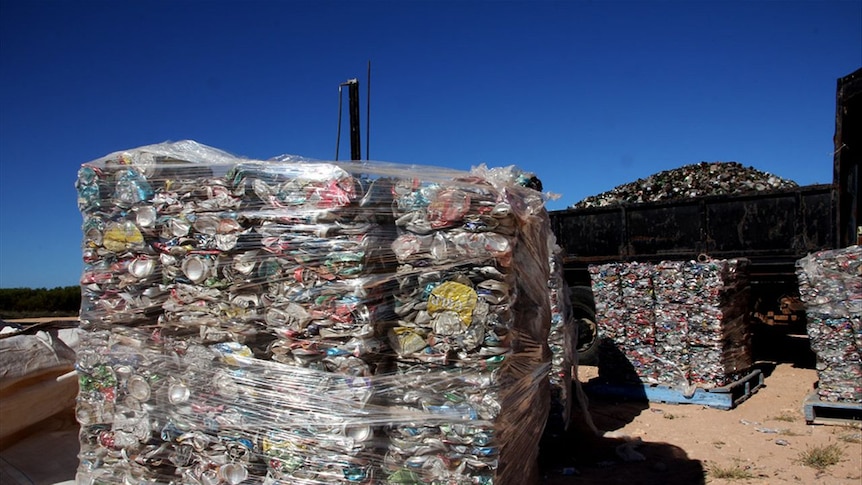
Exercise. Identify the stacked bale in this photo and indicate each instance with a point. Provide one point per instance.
(830, 285)
(472, 312)
(681, 323)
(240, 316)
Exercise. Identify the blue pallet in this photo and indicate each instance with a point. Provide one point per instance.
(725, 397)
(828, 412)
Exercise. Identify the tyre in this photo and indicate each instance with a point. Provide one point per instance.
(584, 315)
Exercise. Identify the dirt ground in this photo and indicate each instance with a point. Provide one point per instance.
(759, 442)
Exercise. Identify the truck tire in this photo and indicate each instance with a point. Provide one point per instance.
(584, 316)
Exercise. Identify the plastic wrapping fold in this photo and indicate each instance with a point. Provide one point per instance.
(24, 357)
(830, 285)
(562, 340)
(678, 323)
(307, 322)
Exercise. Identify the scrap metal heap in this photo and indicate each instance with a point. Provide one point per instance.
(303, 322)
(694, 180)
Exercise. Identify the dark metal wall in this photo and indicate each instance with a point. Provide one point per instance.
(848, 154)
(783, 224)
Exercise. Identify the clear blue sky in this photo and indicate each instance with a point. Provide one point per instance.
(589, 95)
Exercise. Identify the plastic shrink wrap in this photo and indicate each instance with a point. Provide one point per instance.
(563, 343)
(830, 285)
(303, 322)
(678, 323)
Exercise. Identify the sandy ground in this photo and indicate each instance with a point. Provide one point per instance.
(762, 438)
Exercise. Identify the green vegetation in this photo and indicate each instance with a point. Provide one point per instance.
(39, 302)
(731, 472)
(785, 416)
(821, 457)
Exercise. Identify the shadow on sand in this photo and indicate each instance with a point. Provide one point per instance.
(580, 456)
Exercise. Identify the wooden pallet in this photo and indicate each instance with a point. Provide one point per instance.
(828, 412)
(725, 397)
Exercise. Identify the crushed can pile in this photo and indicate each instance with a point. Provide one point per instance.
(830, 286)
(694, 180)
(677, 323)
(304, 322)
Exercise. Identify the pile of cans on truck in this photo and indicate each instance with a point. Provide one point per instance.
(694, 180)
(830, 285)
(305, 322)
(678, 323)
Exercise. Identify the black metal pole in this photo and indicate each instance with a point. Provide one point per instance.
(355, 140)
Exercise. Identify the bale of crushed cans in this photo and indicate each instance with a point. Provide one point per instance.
(304, 322)
(677, 323)
(830, 285)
